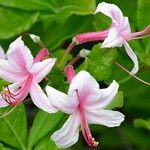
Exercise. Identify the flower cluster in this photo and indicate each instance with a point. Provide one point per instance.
(86, 103)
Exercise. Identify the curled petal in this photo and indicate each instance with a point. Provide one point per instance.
(41, 69)
(113, 39)
(68, 134)
(10, 72)
(60, 100)
(40, 99)
(133, 57)
(108, 118)
(2, 53)
(87, 86)
(20, 55)
(112, 11)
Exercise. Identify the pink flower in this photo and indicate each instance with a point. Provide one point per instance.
(85, 103)
(25, 72)
(2, 54)
(117, 35)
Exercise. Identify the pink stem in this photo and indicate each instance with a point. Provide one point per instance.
(141, 33)
(90, 36)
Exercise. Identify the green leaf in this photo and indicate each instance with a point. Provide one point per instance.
(142, 13)
(29, 5)
(14, 22)
(69, 29)
(3, 84)
(117, 101)
(99, 62)
(13, 127)
(47, 144)
(82, 7)
(2, 147)
(142, 123)
(44, 123)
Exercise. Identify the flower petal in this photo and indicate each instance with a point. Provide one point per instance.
(112, 11)
(60, 100)
(68, 134)
(40, 99)
(108, 118)
(87, 86)
(2, 53)
(113, 39)
(10, 72)
(20, 55)
(41, 69)
(107, 95)
(133, 57)
(3, 103)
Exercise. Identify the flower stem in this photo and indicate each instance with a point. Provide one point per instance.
(134, 76)
(68, 50)
(74, 60)
(7, 113)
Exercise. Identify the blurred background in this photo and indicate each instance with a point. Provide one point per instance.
(57, 22)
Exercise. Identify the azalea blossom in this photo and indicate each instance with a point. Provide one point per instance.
(117, 35)
(2, 53)
(86, 104)
(24, 72)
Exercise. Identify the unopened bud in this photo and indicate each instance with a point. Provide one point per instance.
(35, 38)
(84, 53)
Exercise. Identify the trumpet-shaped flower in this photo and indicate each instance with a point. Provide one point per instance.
(24, 72)
(117, 35)
(86, 103)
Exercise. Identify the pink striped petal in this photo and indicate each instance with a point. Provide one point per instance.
(108, 118)
(68, 134)
(60, 100)
(40, 99)
(87, 86)
(107, 95)
(20, 55)
(41, 69)
(112, 11)
(10, 72)
(113, 39)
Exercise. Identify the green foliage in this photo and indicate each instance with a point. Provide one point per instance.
(57, 22)
(99, 62)
(142, 123)
(44, 124)
(13, 127)
(117, 101)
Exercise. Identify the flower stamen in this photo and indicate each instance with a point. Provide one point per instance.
(13, 98)
(84, 125)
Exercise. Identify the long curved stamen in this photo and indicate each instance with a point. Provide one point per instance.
(84, 125)
(14, 98)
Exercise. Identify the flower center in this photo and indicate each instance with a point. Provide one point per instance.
(15, 97)
(84, 125)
